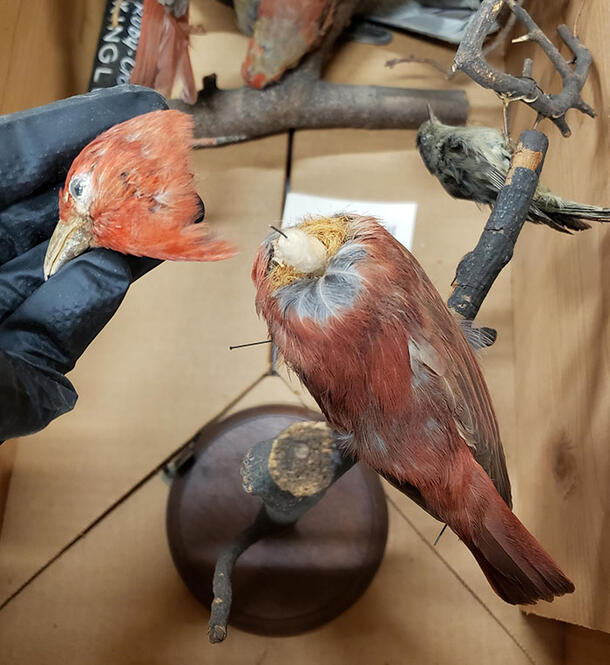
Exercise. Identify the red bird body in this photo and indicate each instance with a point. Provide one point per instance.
(131, 189)
(284, 31)
(391, 369)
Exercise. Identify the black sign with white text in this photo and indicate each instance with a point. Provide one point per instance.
(115, 56)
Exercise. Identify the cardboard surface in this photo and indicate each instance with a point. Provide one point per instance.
(561, 296)
(160, 370)
(46, 50)
(586, 647)
(131, 607)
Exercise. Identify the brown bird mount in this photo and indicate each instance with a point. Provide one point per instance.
(303, 561)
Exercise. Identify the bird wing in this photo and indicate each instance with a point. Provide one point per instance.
(466, 173)
(457, 376)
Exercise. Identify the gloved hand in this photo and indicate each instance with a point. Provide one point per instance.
(46, 326)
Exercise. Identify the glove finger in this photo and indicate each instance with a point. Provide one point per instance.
(38, 145)
(140, 265)
(30, 398)
(19, 278)
(26, 223)
(52, 328)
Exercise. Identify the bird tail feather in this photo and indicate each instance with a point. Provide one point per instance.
(163, 52)
(513, 561)
(565, 215)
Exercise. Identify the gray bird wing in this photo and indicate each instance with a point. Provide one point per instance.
(467, 172)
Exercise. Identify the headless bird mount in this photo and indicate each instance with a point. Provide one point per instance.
(356, 318)
(291, 43)
(131, 190)
(340, 276)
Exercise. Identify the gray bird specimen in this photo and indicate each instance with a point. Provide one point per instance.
(472, 163)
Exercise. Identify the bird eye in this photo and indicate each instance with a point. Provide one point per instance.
(76, 187)
(80, 189)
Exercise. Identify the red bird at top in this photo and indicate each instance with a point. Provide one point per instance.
(358, 320)
(282, 33)
(131, 189)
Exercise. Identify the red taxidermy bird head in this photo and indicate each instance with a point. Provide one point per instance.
(131, 190)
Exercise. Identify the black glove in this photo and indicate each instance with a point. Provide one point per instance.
(46, 326)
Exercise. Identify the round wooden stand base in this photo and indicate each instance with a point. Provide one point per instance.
(291, 582)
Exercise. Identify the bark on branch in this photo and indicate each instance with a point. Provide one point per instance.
(478, 270)
(290, 474)
(471, 60)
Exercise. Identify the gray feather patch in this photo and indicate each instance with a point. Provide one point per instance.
(321, 298)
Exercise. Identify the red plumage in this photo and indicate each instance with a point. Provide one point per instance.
(391, 369)
(138, 193)
(284, 31)
(131, 189)
(163, 51)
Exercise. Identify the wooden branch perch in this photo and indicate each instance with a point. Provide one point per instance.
(470, 59)
(478, 270)
(303, 102)
(290, 474)
(222, 587)
(301, 99)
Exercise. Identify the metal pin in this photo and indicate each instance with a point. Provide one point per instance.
(439, 535)
(241, 346)
(278, 230)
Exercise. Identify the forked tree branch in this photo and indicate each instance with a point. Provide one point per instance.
(471, 60)
(447, 70)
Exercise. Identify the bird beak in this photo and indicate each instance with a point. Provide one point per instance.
(431, 114)
(68, 241)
